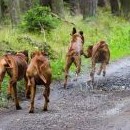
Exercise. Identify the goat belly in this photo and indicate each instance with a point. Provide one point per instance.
(21, 70)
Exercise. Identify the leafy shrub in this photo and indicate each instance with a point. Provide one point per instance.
(43, 46)
(38, 17)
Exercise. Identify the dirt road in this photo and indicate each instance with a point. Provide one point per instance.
(78, 108)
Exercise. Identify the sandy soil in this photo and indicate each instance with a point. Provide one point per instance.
(107, 107)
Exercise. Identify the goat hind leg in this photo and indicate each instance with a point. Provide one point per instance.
(18, 107)
(27, 87)
(33, 92)
(104, 69)
(46, 96)
(92, 73)
(100, 69)
(68, 64)
(77, 63)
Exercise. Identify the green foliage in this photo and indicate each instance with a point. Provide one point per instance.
(38, 17)
(57, 68)
(43, 46)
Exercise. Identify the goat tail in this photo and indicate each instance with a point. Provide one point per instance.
(40, 75)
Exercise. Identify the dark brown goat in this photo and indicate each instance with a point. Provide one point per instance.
(39, 73)
(15, 66)
(74, 53)
(99, 53)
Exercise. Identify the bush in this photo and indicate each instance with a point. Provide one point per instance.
(38, 17)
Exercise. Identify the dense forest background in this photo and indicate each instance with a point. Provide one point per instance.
(13, 9)
(47, 24)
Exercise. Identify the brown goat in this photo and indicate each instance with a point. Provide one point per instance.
(39, 73)
(74, 53)
(15, 66)
(99, 53)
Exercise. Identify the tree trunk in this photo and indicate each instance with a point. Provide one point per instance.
(125, 8)
(57, 7)
(101, 3)
(28, 4)
(114, 7)
(14, 12)
(88, 8)
(74, 7)
(1, 10)
(25, 5)
(45, 2)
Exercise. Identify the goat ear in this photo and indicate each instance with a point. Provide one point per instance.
(81, 33)
(74, 31)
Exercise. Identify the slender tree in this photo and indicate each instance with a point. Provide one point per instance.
(25, 5)
(14, 11)
(45, 2)
(57, 7)
(74, 7)
(1, 10)
(125, 7)
(114, 7)
(88, 8)
(101, 3)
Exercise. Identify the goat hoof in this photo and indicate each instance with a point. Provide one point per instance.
(18, 107)
(45, 109)
(28, 96)
(64, 86)
(104, 74)
(31, 111)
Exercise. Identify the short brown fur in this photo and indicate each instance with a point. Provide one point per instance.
(74, 53)
(39, 73)
(15, 66)
(99, 53)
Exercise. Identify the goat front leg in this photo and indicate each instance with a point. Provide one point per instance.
(27, 87)
(18, 107)
(33, 92)
(100, 69)
(77, 63)
(67, 67)
(10, 92)
(104, 69)
(92, 72)
(46, 96)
